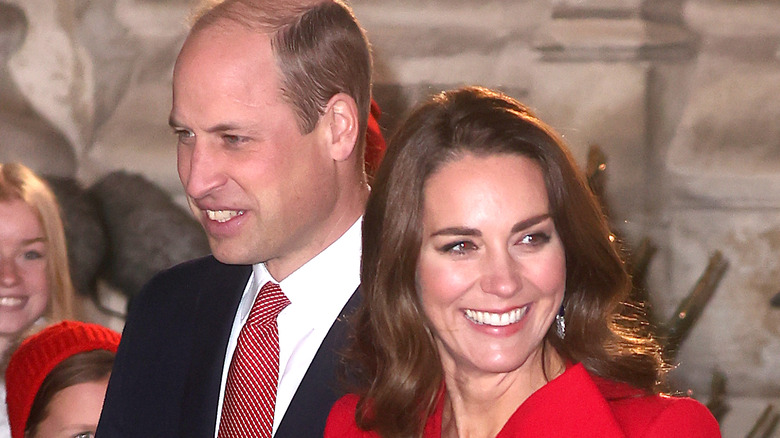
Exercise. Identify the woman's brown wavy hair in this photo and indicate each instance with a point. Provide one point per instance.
(393, 357)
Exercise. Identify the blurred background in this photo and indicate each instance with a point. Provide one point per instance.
(671, 105)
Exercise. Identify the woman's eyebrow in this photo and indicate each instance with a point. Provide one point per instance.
(531, 221)
(457, 231)
(466, 231)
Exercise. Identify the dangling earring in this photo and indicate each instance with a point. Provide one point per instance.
(560, 323)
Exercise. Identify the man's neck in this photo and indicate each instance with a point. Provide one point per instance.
(348, 209)
(282, 267)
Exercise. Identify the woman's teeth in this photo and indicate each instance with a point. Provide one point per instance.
(496, 319)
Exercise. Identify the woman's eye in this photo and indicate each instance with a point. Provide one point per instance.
(458, 247)
(535, 239)
(84, 435)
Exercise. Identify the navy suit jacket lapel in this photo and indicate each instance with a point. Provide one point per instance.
(319, 389)
(217, 305)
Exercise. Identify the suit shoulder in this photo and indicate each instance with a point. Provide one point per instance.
(205, 272)
(203, 267)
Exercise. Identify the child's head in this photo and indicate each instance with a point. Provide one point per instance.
(56, 380)
(34, 274)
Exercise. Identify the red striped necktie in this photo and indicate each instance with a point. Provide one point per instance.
(253, 377)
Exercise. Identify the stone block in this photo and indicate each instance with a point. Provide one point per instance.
(27, 137)
(58, 85)
(663, 11)
(30, 140)
(137, 139)
(743, 414)
(603, 104)
(605, 39)
(149, 19)
(596, 8)
(726, 150)
(737, 332)
(397, 100)
(443, 43)
(509, 67)
(733, 17)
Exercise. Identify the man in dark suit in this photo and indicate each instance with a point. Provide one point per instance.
(270, 105)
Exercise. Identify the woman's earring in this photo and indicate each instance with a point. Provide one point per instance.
(560, 323)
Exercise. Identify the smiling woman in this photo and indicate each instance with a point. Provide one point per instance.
(493, 297)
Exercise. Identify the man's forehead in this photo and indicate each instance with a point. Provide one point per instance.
(258, 15)
(226, 49)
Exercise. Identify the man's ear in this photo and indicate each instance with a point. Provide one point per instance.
(341, 116)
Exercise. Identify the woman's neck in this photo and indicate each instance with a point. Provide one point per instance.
(478, 404)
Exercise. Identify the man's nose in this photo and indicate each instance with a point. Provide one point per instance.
(200, 170)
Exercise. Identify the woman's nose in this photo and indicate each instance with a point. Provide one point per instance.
(500, 275)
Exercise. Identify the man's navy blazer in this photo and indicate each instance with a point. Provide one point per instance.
(166, 378)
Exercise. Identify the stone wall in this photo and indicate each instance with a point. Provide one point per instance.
(681, 95)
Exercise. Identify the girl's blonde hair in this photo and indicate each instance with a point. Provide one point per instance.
(17, 182)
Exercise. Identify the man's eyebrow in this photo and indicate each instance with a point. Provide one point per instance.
(221, 127)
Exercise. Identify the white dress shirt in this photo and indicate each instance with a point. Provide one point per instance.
(317, 292)
(5, 428)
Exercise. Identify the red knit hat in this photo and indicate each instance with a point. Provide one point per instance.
(37, 356)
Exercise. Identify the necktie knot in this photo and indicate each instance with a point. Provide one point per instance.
(269, 303)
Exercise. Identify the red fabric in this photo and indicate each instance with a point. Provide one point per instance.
(39, 354)
(574, 404)
(375, 142)
(253, 377)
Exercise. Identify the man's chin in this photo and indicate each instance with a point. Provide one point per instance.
(228, 255)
